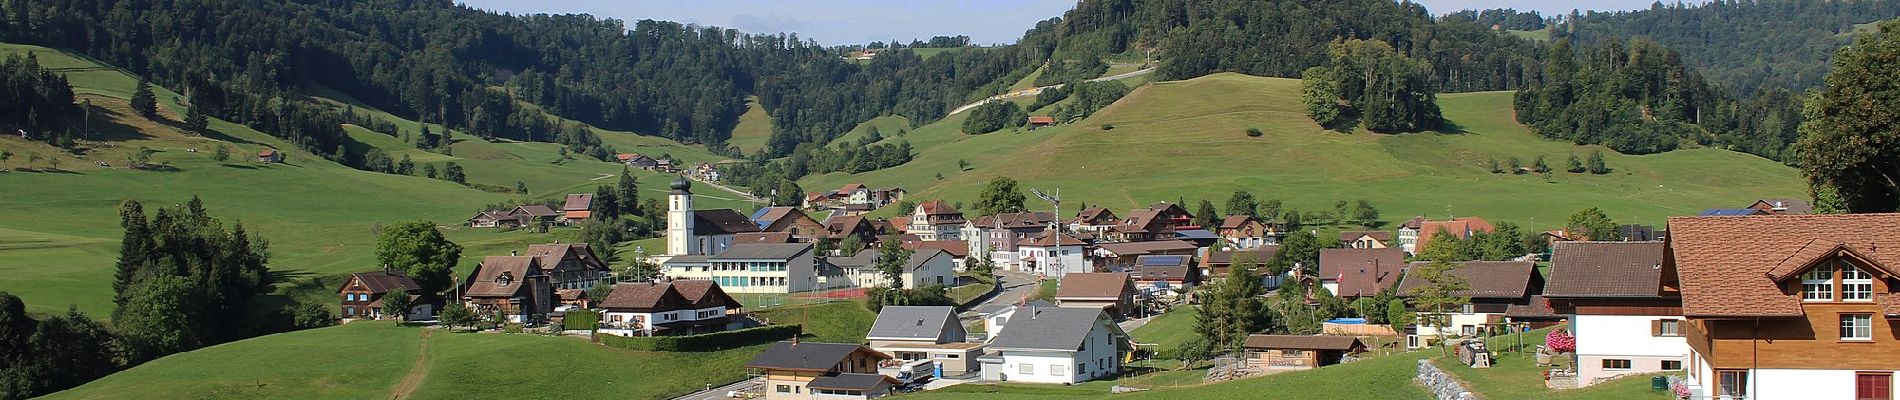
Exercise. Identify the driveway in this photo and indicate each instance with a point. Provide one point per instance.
(1016, 286)
(754, 385)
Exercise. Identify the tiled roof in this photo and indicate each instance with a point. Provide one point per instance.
(1163, 268)
(1486, 279)
(1362, 272)
(1724, 263)
(956, 248)
(1048, 328)
(1303, 342)
(1092, 285)
(763, 251)
(1094, 214)
(551, 255)
(644, 296)
(516, 268)
(1605, 269)
(537, 210)
(1049, 240)
(1784, 206)
(1261, 255)
(577, 202)
(807, 356)
(1236, 221)
(762, 237)
(1382, 236)
(721, 221)
(937, 207)
(766, 216)
(1142, 248)
(1016, 220)
(1460, 227)
(383, 281)
(1538, 307)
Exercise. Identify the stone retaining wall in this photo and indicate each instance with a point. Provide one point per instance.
(1441, 383)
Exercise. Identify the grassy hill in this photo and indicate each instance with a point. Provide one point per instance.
(59, 230)
(374, 359)
(1185, 139)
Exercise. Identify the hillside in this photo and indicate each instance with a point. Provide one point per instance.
(1185, 139)
(319, 216)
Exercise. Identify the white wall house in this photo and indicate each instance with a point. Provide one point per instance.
(679, 307)
(752, 268)
(1613, 345)
(1056, 345)
(1044, 256)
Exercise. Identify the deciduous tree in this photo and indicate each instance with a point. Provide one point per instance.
(1000, 196)
(1849, 144)
(419, 250)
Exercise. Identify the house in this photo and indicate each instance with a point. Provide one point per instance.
(763, 237)
(912, 333)
(714, 231)
(1639, 233)
(1216, 264)
(837, 228)
(704, 171)
(573, 298)
(576, 207)
(788, 220)
(1297, 352)
(1094, 220)
(1121, 257)
(1783, 206)
(493, 219)
(535, 214)
(856, 270)
(665, 165)
(1053, 255)
(924, 268)
(1494, 287)
(363, 295)
(752, 268)
(636, 160)
(1038, 121)
(1624, 322)
(570, 265)
(1424, 229)
(1246, 232)
(1144, 224)
(664, 309)
(1201, 238)
(1365, 239)
(996, 236)
(1732, 212)
(1163, 273)
(855, 193)
(1173, 214)
(1535, 313)
(270, 156)
(806, 370)
(1110, 291)
(1788, 306)
(957, 249)
(1056, 345)
(513, 286)
(936, 220)
(996, 317)
(1355, 273)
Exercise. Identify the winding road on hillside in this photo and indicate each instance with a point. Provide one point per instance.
(1038, 90)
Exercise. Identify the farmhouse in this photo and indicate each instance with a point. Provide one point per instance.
(1112, 292)
(1122, 256)
(1094, 220)
(1624, 322)
(924, 268)
(1788, 306)
(1216, 264)
(270, 156)
(513, 286)
(1365, 239)
(1494, 287)
(1353, 273)
(363, 296)
(1056, 345)
(535, 214)
(570, 265)
(1414, 234)
(1297, 352)
(1246, 232)
(936, 220)
(1161, 274)
(788, 220)
(576, 207)
(493, 219)
(912, 333)
(795, 370)
(1143, 224)
(1038, 121)
(671, 308)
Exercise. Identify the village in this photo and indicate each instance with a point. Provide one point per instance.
(1677, 303)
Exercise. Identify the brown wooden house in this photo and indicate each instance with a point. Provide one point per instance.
(362, 295)
(513, 286)
(1298, 351)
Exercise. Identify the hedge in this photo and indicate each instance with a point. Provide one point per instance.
(580, 320)
(704, 342)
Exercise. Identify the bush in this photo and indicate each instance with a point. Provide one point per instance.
(704, 342)
(1254, 132)
(1108, 127)
(313, 315)
(581, 320)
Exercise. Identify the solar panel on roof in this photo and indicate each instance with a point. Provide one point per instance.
(1161, 260)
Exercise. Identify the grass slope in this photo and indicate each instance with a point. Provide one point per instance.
(1186, 139)
(318, 216)
(755, 127)
(1168, 331)
(355, 361)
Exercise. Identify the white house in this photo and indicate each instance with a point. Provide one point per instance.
(1056, 345)
(672, 308)
(912, 333)
(752, 268)
(1494, 287)
(936, 220)
(1052, 255)
(997, 317)
(1623, 321)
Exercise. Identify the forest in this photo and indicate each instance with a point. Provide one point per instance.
(1748, 46)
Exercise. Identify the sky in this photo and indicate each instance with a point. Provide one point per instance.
(832, 22)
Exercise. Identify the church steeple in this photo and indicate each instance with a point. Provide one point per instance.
(679, 219)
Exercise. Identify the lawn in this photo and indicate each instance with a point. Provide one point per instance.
(837, 322)
(1185, 139)
(965, 293)
(1168, 331)
(1046, 290)
(355, 361)
(754, 128)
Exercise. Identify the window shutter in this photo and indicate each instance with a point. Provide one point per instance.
(1655, 327)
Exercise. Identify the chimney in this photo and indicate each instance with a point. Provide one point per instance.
(512, 253)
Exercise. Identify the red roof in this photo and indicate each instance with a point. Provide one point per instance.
(1460, 227)
(1728, 265)
(579, 214)
(1042, 120)
(266, 153)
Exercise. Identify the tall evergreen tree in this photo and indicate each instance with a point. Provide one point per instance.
(133, 249)
(627, 192)
(143, 101)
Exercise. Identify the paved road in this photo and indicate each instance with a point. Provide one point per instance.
(1016, 285)
(1038, 90)
(756, 385)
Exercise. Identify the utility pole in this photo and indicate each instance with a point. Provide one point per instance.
(1055, 224)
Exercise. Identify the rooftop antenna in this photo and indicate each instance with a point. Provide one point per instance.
(1055, 228)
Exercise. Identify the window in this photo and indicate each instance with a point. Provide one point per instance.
(1468, 330)
(1616, 364)
(1081, 367)
(1668, 327)
(1857, 327)
(348, 311)
(784, 388)
(1856, 284)
(1057, 369)
(1818, 284)
(1671, 365)
(1467, 309)
(1733, 384)
(1873, 386)
(1026, 369)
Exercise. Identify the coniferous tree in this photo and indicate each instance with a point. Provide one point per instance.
(1596, 163)
(143, 101)
(627, 192)
(195, 119)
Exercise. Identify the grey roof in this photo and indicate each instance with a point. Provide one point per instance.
(763, 251)
(1048, 328)
(848, 381)
(689, 259)
(911, 322)
(990, 309)
(921, 257)
(1606, 269)
(805, 356)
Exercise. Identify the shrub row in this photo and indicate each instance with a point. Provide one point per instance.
(704, 342)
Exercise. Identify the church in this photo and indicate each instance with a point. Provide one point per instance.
(699, 246)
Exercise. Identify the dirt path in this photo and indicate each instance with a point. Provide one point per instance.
(416, 373)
